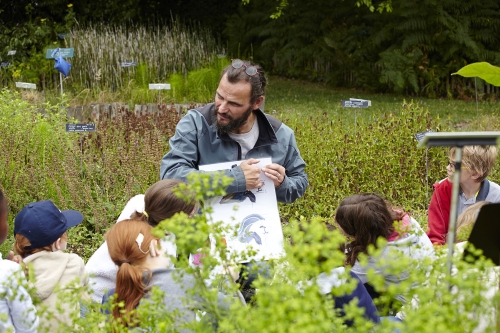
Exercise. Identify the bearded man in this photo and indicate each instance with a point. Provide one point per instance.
(233, 129)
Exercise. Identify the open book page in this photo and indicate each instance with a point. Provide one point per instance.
(256, 218)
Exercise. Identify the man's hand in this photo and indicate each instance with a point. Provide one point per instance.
(275, 172)
(252, 173)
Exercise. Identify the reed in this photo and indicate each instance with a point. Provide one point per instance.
(159, 52)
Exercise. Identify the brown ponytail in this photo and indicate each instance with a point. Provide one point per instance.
(126, 254)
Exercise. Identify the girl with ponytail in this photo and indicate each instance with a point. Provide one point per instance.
(142, 265)
(157, 204)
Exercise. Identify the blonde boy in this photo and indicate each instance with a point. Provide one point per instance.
(477, 162)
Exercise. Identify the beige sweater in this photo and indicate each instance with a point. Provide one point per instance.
(53, 272)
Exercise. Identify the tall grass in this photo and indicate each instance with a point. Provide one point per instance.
(159, 52)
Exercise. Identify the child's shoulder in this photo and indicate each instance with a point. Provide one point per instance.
(75, 258)
(494, 192)
(443, 184)
(8, 267)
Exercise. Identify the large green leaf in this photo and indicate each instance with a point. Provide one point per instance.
(483, 70)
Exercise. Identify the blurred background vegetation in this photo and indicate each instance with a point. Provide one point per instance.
(410, 49)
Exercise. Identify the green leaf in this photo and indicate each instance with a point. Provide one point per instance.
(483, 70)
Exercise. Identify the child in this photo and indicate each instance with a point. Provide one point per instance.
(477, 162)
(15, 301)
(142, 264)
(364, 218)
(40, 239)
(466, 221)
(157, 204)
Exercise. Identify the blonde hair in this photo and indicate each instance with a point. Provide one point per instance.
(466, 220)
(478, 159)
(130, 259)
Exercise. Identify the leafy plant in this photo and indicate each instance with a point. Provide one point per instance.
(483, 70)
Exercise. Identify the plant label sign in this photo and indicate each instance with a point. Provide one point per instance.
(361, 100)
(25, 85)
(420, 136)
(128, 64)
(11, 52)
(4, 64)
(65, 53)
(356, 103)
(159, 86)
(80, 127)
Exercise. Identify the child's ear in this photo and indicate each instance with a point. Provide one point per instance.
(475, 176)
(152, 248)
(56, 246)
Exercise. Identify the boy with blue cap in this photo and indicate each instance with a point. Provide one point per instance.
(40, 239)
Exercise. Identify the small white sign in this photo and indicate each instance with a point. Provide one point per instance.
(25, 85)
(361, 100)
(11, 52)
(159, 86)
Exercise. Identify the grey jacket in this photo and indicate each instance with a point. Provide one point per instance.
(196, 142)
(180, 297)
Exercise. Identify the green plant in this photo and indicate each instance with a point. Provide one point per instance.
(96, 173)
(199, 85)
(159, 51)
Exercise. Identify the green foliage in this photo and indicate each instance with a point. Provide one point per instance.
(483, 70)
(411, 49)
(399, 71)
(350, 160)
(30, 38)
(199, 85)
(96, 173)
(290, 300)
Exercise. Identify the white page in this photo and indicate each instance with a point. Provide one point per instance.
(259, 224)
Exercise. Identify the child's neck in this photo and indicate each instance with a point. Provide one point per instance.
(470, 188)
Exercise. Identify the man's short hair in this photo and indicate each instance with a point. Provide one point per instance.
(257, 81)
(478, 159)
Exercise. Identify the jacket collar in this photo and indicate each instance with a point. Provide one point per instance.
(483, 191)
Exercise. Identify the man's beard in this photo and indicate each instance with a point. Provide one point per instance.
(233, 124)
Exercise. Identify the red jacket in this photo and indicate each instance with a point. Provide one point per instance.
(439, 212)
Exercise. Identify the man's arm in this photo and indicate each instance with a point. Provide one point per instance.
(295, 183)
(182, 157)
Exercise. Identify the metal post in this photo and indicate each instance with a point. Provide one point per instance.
(477, 107)
(81, 158)
(60, 80)
(426, 175)
(355, 124)
(454, 206)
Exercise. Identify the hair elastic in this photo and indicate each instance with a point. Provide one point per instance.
(139, 240)
(145, 214)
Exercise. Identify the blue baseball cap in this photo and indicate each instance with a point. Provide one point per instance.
(42, 223)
